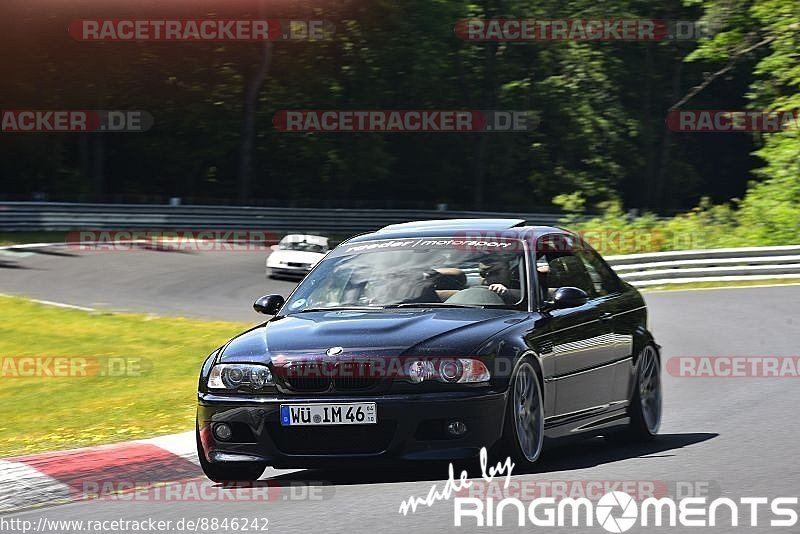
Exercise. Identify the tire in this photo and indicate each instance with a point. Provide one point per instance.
(523, 433)
(646, 403)
(229, 472)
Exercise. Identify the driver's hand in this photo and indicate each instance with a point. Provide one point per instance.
(500, 289)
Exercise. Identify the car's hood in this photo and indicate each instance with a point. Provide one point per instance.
(386, 333)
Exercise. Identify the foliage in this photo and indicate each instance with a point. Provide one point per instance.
(95, 409)
(600, 108)
(769, 212)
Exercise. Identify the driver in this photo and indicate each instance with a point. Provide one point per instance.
(496, 276)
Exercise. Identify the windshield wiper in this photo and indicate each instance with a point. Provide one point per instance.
(334, 308)
(388, 306)
(432, 305)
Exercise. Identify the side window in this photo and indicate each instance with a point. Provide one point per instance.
(558, 265)
(604, 281)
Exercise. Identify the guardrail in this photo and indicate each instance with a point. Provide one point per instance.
(711, 265)
(35, 216)
(649, 269)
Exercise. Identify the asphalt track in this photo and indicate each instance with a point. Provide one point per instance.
(735, 436)
(208, 285)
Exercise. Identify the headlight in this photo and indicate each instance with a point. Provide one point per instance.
(238, 375)
(419, 371)
(449, 370)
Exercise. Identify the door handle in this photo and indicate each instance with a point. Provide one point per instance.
(606, 316)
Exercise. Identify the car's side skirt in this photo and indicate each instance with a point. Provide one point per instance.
(589, 420)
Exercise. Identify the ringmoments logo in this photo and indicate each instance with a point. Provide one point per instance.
(615, 511)
(616, 500)
(618, 512)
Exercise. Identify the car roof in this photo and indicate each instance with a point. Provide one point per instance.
(508, 228)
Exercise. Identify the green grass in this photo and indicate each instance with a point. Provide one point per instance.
(18, 238)
(711, 285)
(47, 413)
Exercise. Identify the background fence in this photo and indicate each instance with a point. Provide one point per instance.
(711, 265)
(33, 216)
(649, 269)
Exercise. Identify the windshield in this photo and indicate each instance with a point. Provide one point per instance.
(302, 245)
(395, 273)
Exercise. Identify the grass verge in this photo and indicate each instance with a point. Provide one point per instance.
(21, 238)
(53, 413)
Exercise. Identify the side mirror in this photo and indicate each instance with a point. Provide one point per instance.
(268, 304)
(567, 297)
(274, 247)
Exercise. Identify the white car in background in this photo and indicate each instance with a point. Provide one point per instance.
(296, 255)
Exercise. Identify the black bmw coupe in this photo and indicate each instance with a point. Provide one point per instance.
(431, 340)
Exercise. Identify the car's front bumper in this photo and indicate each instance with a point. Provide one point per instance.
(288, 271)
(409, 427)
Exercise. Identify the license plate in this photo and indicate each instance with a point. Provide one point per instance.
(354, 413)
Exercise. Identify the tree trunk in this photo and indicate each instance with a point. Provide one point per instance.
(84, 140)
(252, 88)
(488, 99)
(666, 142)
(99, 164)
(646, 196)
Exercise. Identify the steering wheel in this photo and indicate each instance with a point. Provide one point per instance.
(478, 295)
